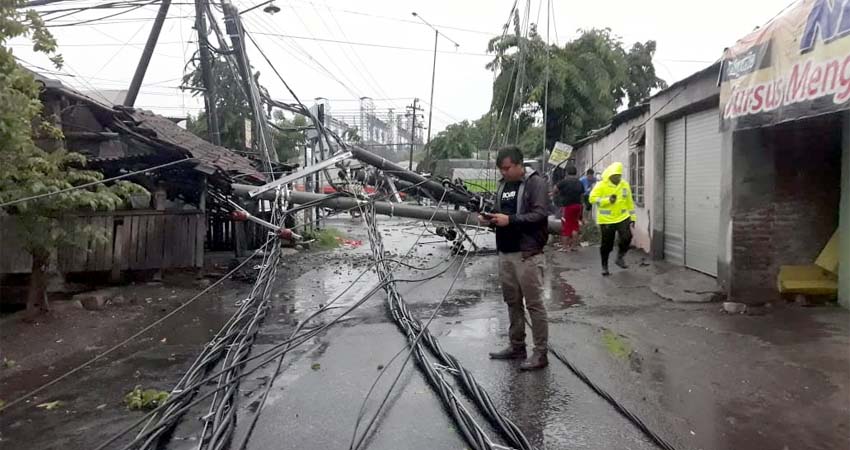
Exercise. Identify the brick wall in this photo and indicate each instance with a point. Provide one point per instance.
(785, 204)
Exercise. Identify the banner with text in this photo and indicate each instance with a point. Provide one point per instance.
(797, 66)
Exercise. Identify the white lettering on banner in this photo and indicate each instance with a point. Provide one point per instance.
(805, 81)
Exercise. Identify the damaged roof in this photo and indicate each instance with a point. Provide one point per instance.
(160, 131)
(164, 130)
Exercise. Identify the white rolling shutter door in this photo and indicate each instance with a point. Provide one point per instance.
(674, 192)
(702, 191)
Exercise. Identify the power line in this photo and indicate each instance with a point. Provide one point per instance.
(378, 16)
(303, 52)
(101, 18)
(368, 44)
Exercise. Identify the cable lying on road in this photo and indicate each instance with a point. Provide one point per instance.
(415, 331)
(263, 358)
(655, 438)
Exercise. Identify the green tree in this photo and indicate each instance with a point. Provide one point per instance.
(589, 78)
(231, 104)
(27, 170)
(459, 140)
(289, 136)
(641, 73)
(351, 136)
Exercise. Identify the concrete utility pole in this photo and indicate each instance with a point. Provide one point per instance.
(213, 132)
(233, 25)
(457, 217)
(413, 111)
(147, 53)
(433, 77)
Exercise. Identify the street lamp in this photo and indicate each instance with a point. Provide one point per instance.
(433, 75)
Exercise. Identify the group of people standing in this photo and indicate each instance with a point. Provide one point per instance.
(615, 212)
(520, 218)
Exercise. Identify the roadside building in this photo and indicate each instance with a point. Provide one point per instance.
(622, 140)
(175, 225)
(741, 169)
(785, 93)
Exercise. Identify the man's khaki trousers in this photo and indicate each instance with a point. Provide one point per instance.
(522, 278)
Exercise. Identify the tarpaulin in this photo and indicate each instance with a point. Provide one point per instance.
(797, 66)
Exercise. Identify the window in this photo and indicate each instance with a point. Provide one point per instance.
(636, 173)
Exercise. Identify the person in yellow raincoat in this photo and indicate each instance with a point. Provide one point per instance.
(615, 214)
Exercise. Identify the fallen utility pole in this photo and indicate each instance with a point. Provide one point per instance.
(457, 217)
(147, 53)
(435, 188)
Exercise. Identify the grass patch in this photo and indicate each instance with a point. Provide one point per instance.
(144, 399)
(616, 345)
(481, 185)
(589, 232)
(326, 238)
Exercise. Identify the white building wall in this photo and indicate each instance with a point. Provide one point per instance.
(615, 147)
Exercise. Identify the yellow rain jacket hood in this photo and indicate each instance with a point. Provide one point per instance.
(621, 209)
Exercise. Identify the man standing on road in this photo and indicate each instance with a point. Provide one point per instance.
(521, 222)
(615, 214)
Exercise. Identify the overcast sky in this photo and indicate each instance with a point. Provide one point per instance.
(103, 54)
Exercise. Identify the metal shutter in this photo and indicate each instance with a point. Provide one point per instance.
(674, 192)
(702, 191)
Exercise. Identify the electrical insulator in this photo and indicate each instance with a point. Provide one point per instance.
(239, 216)
(285, 233)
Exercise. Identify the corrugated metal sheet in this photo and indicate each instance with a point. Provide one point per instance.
(674, 192)
(702, 197)
(167, 131)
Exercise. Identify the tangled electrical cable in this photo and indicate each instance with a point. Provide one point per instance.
(233, 342)
(416, 332)
(262, 358)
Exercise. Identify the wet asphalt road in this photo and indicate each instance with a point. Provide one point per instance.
(700, 378)
(315, 402)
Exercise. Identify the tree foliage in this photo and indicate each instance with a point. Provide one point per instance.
(27, 170)
(289, 138)
(459, 140)
(231, 104)
(589, 78)
(233, 109)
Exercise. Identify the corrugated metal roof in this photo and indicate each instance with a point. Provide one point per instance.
(205, 152)
(160, 129)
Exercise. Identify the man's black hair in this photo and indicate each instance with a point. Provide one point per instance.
(511, 151)
(571, 170)
(590, 171)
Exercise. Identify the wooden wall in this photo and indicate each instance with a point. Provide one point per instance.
(130, 240)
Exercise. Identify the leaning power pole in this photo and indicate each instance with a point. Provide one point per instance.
(147, 53)
(213, 132)
(233, 25)
(414, 109)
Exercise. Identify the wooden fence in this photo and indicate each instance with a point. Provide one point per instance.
(129, 240)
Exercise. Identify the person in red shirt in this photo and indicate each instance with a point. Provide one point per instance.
(569, 192)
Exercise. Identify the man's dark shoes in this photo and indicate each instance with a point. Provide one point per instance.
(605, 271)
(510, 352)
(621, 263)
(538, 361)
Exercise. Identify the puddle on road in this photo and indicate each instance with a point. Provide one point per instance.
(560, 294)
(475, 328)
